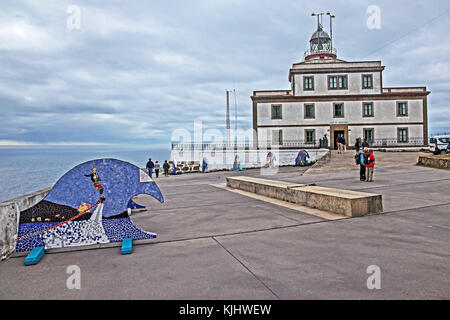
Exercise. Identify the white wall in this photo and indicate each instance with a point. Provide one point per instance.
(224, 159)
(354, 84)
(385, 111)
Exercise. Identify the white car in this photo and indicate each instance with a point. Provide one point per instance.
(439, 144)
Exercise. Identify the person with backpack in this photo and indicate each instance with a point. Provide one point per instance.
(369, 163)
(359, 159)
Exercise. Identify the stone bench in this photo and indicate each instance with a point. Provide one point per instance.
(343, 202)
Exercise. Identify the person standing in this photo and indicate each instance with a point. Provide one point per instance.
(339, 143)
(358, 145)
(344, 147)
(362, 167)
(365, 144)
(174, 167)
(369, 162)
(166, 168)
(157, 167)
(150, 165)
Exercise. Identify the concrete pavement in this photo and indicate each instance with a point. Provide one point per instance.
(217, 244)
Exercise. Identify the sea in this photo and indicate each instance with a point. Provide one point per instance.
(27, 169)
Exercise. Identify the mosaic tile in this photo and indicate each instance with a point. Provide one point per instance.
(108, 189)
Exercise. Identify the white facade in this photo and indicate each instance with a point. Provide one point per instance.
(336, 106)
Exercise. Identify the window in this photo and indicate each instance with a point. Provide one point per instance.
(338, 111)
(309, 111)
(277, 137)
(310, 136)
(308, 83)
(332, 83)
(367, 82)
(402, 109)
(402, 134)
(368, 135)
(337, 82)
(276, 111)
(367, 109)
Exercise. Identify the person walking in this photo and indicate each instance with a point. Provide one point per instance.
(166, 167)
(369, 163)
(150, 165)
(157, 167)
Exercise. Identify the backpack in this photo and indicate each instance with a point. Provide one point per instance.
(358, 158)
(366, 159)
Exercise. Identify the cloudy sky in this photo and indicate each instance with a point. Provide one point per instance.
(135, 71)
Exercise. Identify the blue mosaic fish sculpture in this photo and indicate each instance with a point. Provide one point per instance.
(88, 205)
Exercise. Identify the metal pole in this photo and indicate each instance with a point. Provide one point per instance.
(235, 119)
(228, 119)
(331, 32)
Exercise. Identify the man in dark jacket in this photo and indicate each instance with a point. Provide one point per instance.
(358, 144)
(150, 165)
(365, 144)
(166, 168)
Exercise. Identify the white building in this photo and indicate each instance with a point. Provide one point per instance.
(332, 97)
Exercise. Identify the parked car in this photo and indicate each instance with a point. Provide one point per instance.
(439, 144)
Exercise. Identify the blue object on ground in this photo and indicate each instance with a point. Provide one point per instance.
(34, 256)
(127, 246)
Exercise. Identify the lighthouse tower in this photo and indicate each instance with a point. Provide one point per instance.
(321, 43)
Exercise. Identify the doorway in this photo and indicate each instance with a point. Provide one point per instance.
(337, 130)
(337, 133)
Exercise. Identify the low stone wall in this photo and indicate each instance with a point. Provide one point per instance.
(436, 162)
(224, 159)
(9, 219)
(343, 202)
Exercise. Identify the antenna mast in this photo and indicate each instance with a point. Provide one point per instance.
(228, 119)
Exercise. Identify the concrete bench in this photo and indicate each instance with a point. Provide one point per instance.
(343, 202)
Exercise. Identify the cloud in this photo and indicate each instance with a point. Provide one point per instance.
(135, 72)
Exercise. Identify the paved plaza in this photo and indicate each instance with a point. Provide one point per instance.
(216, 244)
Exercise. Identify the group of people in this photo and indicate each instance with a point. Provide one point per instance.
(157, 166)
(366, 160)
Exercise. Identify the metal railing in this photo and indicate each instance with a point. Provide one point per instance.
(183, 146)
(293, 144)
(395, 142)
(310, 52)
